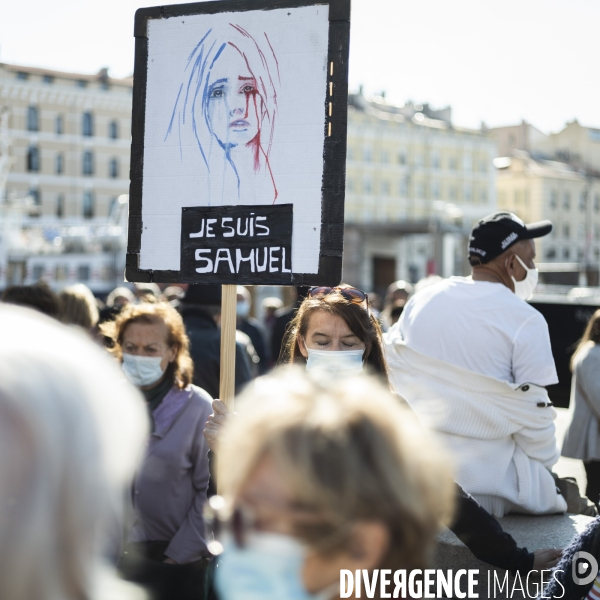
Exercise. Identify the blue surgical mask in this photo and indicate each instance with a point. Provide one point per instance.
(142, 370)
(342, 362)
(268, 567)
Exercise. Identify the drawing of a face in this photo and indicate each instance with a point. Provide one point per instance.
(229, 96)
(234, 104)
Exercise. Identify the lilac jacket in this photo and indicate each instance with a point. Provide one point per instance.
(170, 486)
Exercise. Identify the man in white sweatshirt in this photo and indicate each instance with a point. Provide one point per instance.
(465, 353)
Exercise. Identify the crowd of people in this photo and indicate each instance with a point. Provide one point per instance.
(127, 475)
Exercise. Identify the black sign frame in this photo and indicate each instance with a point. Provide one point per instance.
(335, 129)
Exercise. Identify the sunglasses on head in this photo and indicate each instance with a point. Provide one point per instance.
(353, 295)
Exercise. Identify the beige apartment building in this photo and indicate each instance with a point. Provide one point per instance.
(415, 184)
(536, 189)
(64, 175)
(523, 136)
(70, 140)
(576, 144)
(556, 177)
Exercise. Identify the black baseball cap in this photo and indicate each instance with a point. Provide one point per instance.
(497, 232)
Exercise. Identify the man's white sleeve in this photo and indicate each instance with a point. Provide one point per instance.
(532, 354)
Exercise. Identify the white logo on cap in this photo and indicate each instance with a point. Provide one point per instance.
(511, 238)
(477, 251)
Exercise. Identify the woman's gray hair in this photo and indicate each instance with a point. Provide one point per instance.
(71, 434)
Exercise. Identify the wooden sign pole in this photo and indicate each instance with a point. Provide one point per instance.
(228, 327)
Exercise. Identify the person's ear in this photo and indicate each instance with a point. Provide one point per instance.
(172, 353)
(510, 264)
(302, 346)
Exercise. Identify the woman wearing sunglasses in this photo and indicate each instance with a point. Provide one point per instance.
(316, 480)
(334, 330)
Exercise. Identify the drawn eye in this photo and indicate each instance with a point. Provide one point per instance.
(247, 89)
(217, 93)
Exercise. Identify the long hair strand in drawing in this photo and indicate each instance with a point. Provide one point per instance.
(227, 106)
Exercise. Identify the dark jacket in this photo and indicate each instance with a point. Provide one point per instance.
(588, 541)
(205, 349)
(252, 328)
(481, 533)
(280, 329)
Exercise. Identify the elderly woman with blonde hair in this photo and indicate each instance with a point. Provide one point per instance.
(166, 538)
(71, 434)
(320, 476)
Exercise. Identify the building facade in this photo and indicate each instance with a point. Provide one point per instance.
(69, 145)
(537, 189)
(415, 184)
(556, 177)
(575, 144)
(523, 136)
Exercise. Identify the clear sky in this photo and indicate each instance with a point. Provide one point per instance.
(497, 62)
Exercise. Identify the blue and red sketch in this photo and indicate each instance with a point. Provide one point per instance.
(228, 100)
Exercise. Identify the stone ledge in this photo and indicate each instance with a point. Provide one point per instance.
(530, 532)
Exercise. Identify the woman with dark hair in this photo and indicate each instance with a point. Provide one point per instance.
(335, 331)
(165, 549)
(582, 439)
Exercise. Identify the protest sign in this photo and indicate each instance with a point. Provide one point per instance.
(239, 142)
(239, 147)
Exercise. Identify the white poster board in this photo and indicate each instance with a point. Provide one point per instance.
(235, 114)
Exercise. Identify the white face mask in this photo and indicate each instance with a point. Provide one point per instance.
(142, 370)
(242, 309)
(344, 362)
(524, 289)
